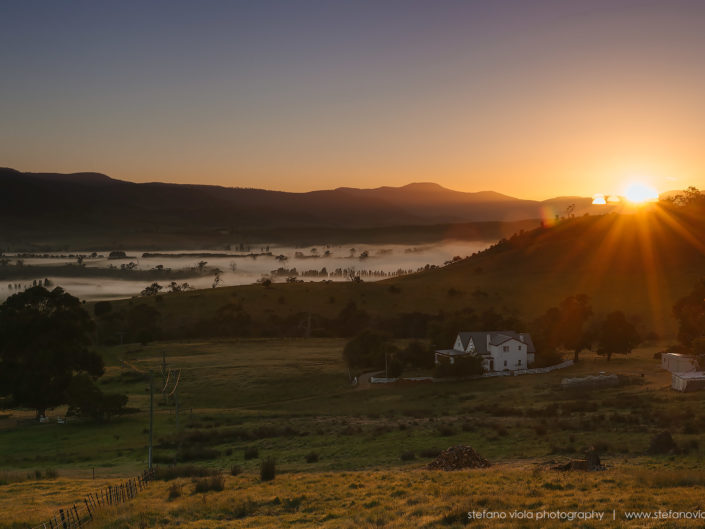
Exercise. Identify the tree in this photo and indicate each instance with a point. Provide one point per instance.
(617, 335)
(44, 338)
(564, 326)
(143, 323)
(368, 350)
(690, 313)
(418, 354)
(152, 290)
(86, 399)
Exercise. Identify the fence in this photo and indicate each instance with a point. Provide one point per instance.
(79, 515)
(532, 371)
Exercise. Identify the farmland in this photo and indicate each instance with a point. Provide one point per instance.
(289, 398)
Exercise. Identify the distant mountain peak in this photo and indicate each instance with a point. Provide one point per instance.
(75, 178)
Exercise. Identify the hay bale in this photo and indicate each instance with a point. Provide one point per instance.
(458, 457)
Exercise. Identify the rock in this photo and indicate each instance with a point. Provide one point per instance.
(458, 457)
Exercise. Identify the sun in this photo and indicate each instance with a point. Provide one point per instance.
(640, 193)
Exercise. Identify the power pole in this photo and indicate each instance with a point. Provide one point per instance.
(151, 418)
(386, 368)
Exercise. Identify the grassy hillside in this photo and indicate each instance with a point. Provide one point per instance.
(639, 263)
(290, 398)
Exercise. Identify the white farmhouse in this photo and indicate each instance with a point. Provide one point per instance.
(499, 350)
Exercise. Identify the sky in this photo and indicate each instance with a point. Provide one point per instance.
(529, 98)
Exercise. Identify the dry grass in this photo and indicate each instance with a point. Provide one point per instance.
(400, 499)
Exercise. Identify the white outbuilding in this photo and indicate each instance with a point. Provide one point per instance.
(691, 381)
(679, 363)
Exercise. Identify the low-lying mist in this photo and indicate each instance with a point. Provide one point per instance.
(80, 274)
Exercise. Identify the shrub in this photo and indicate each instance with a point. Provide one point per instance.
(235, 470)
(446, 430)
(193, 453)
(367, 350)
(312, 457)
(174, 491)
(183, 471)
(462, 366)
(251, 452)
(268, 469)
(216, 483)
(408, 456)
(662, 443)
(430, 452)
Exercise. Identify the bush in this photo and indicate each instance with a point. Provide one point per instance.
(408, 456)
(461, 367)
(174, 491)
(194, 453)
(418, 355)
(268, 469)
(662, 443)
(312, 457)
(235, 470)
(367, 350)
(430, 452)
(251, 452)
(183, 471)
(216, 483)
(446, 430)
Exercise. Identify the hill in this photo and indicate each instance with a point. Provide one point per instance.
(92, 210)
(639, 263)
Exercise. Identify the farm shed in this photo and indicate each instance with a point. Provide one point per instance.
(692, 381)
(679, 363)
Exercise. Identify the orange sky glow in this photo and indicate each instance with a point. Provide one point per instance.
(534, 100)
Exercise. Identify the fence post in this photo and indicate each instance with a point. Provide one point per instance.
(88, 508)
(78, 518)
(63, 519)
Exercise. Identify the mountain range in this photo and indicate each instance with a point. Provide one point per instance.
(36, 207)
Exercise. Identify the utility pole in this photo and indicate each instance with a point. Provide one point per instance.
(151, 418)
(386, 367)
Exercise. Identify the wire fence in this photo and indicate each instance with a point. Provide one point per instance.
(81, 514)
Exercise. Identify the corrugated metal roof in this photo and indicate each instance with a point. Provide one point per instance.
(496, 338)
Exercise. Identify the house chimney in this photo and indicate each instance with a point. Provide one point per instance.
(521, 337)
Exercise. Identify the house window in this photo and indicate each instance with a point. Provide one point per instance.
(519, 347)
(519, 362)
(505, 348)
(505, 363)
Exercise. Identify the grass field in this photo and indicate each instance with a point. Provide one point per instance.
(289, 398)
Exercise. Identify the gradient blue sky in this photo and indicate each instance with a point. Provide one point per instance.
(529, 98)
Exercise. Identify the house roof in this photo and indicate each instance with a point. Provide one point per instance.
(496, 338)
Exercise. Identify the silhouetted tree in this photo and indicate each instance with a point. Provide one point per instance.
(152, 290)
(44, 338)
(690, 313)
(617, 335)
(368, 350)
(86, 399)
(564, 326)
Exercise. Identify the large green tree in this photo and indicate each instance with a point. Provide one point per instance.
(44, 343)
